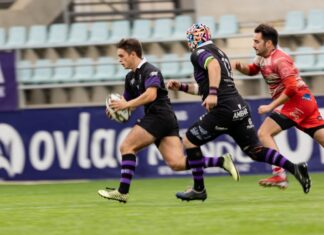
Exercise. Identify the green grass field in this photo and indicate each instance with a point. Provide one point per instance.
(232, 208)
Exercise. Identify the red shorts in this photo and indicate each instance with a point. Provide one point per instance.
(302, 109)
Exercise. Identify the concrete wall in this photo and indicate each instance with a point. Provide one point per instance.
(255, 10)
(30, 12)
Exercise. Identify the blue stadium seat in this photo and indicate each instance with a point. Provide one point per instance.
(170, 66)
(2, 36)
(153, 59)
(228, 25)
(17, 36)
(25, 71)
(319, 64)
(105, 69)
(315, 20)
(58, 33)
(119, 29)
(84, 70)
(210, 22)
(305, 62)
(78, 33)
(142, 29)
(162, 29)
(186, 69)
(294, 22)
(99, 32)
(120, 72)
(181, 24)
(43, 71)
(63, 70)
(37, 35)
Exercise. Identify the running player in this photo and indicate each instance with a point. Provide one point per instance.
(227, 113)
(144, 86)
(293, 103)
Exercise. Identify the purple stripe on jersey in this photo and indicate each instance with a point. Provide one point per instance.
(128, 163)
(268, 154)
(125, 181)
(199, 76)
(127, 171)
(282, 161)
(275, 157)
(152, 82)
(202, 58)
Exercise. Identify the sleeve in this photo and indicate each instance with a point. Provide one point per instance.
(254, 68)
(153, 80)
(202, 57)
(287, 73)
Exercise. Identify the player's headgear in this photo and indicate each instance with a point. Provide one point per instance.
(197, 34)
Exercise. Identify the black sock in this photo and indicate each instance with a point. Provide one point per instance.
(209, 162)
(128, 166)
(196, 163)
(273, 157)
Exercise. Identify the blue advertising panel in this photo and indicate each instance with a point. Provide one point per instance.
(82, 143)
(8, 85)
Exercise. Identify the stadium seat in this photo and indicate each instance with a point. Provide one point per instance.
(63, 70)
(84, 70)
(305, 62)
(186, 69)
(2, 37)
(142, 29)
(24, 71)
(210, 22)
(181, 24)
(120, 73)
(227, 25)
(105, 69)
(119, 29)
(170, 66)
(319, 64)
(37, 35)
(315, 20)
(17, 36)
(99, 32)
(162, 29)
(78, 33)
(153, 59)
(42, 72)
(58, 33)
(294, 22)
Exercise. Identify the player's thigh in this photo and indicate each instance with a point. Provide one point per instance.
(172, 152)
(319, 136)
(137, 139)
(269, 127)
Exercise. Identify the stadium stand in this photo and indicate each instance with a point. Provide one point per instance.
(17, 36)
(294, 22)
(37, 35)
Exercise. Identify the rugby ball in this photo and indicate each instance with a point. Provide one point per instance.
(119, 116)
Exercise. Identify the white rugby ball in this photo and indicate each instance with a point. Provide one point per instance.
(119, 116)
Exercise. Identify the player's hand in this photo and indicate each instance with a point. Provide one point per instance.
(119, 104)
(210, 102)
(264, 109)
(236, 65)
(173, 85)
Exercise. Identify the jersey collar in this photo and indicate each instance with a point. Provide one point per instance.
(205, 43)
(143, 61)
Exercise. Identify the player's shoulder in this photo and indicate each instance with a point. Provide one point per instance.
(150, 69)
(281, 56)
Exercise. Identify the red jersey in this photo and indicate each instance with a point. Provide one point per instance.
(275, 68)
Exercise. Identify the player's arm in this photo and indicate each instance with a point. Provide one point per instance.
(247, 69)
(190, 88)
(288, 76)
(214, 76)
(148, 96)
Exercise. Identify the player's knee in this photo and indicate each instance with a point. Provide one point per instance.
(126, 148)
(187, 144)
(262, 134)
(254, 152)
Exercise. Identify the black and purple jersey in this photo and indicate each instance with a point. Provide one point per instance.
(200, 58)
(147, 75)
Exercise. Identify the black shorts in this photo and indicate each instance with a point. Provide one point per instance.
(232, 117)
(160, 124)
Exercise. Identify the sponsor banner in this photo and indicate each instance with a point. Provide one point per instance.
(82, 143)
(8, 85)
